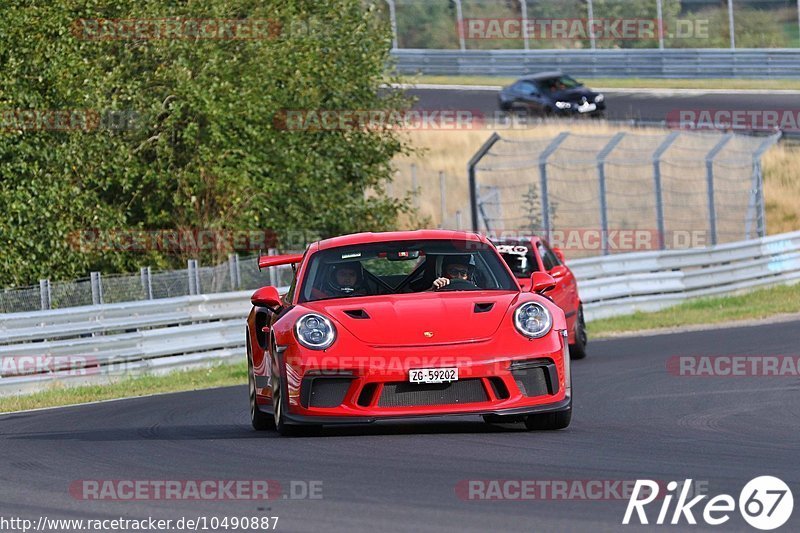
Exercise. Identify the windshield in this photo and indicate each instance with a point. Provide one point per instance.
(403, 267)
(519, 257)
(562, 83)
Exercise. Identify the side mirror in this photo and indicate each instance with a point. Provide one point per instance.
(266, 297)
(559, 271)
(542, 282)
(559, 254)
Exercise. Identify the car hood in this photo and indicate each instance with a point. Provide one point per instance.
(574, 95)
(421, 319)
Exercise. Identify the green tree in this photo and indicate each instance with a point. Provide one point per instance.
(208, 150)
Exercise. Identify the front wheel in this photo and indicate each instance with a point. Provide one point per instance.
(258, 419)
(279, 410)
(578, 350)
(549, 421)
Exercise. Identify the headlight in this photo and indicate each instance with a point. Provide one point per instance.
(315, 332)
(533, 320)
(599, 98)
(563, 105)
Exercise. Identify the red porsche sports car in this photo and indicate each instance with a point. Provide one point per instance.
(406, 324)
(530, 254)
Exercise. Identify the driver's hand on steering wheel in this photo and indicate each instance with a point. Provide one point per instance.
(440, 282)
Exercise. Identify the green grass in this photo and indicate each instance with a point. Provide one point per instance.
(623, 83)
(754, 305)
(204, 378)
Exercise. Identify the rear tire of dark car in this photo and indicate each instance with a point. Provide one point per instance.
(578, 349)
(549, 421)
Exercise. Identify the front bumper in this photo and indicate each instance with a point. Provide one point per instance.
(346, 390)
(563, 405)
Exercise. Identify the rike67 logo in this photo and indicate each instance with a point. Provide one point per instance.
(765, 503)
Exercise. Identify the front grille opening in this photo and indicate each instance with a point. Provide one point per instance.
(499, 388)
(323, 391)
(367, 394)
(404, 394)
(538, 380)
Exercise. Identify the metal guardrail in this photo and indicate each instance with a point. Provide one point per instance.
(776, 63)
(649, 281)
(97, 344)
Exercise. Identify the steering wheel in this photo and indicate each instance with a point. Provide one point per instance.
(460, 285)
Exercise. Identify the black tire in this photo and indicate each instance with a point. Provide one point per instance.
(279, 415)
(578, 350)
(549, 421)
(259, 420)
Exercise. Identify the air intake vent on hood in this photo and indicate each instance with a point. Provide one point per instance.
(484, 308)
(357, 313)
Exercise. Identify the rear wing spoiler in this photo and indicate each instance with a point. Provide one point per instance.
(266, 261)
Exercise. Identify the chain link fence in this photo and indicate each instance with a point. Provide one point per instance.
(593, 24)
(600, 194)
(235, 274)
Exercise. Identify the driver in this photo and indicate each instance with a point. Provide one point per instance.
(346, 279)
(456, 268)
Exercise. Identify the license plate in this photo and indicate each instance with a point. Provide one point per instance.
(432, 375)
(587, 108)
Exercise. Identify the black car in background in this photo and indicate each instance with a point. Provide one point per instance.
(551, 94)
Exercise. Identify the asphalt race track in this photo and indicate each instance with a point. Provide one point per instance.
(632, 419)
(645, 106)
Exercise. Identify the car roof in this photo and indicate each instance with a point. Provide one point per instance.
(525, 238)
(392, 236)
(542, 76)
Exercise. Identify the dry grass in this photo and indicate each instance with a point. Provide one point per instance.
(449, 151)
(782, 188)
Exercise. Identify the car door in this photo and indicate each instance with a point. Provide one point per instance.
(528, 97)
(564, 294)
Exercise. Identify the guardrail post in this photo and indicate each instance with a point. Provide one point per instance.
(236, 273)
(525, 35)
(543, 157)
(273, 272)
(658, 189)
(191, 269)
(414, 185)
(147, 282)
(756, 209)
(443, 193)
(660, 19)
(712, 208)
(393, 22)
(601, 174)
(473, 181)
(97, 288)
(460, 24)
(731, 25)
(44, 294)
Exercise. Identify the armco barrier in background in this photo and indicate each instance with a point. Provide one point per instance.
(780, 63)
(159, 336)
